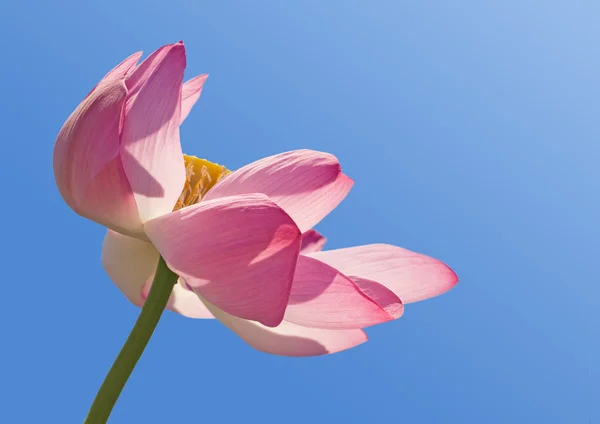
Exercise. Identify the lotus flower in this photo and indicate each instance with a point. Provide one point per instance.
(242, 243)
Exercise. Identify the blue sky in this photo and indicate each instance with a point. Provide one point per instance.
(471, 131)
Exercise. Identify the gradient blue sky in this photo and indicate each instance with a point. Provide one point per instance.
(471, 129)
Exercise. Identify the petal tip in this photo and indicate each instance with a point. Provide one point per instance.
(395, 310)
(348, 182)
(135, 57)
(453, 276)
(178, 48)
(272, 321)
(201, 78)
(365, 338)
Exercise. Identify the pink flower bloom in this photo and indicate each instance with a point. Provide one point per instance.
(243, 245)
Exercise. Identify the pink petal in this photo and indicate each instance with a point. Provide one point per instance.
(87, 165)
(148, 66)
(151, 151)
(305, 183)
(187, 303)
(381, 295)
(322, 297)
(238, 252)
(312, 241)
(289, 339)
(122, 69)
(412, 276)
(130, 263)
(190, 94)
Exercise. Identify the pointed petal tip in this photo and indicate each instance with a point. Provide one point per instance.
(451, 277)
(350, 180)
(136, 56)
(345, 180)
(412, 276)
(123, 69)
(194, 85)
(178, 46)
(176, 50)
(453, 280)
(190, 93)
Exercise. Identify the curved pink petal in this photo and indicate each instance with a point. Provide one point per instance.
(322, 297)
(289, 339)
(380, 294)
(144, 71)
(130, 263)
(151, 151)
(412, 276)
(312, 241)
(190, 94)
(86, 162)
(238, 252)
(304, 183)
(122, 69)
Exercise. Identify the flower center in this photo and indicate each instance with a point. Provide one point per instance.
(200, 176)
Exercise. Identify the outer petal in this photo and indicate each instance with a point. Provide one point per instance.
(183, 301)
(238, 252)
(151, 151)
(122, 69)
(322, 297)
(312, 241)
(412, 276)
(187, 303)
(289, 339)
(190, 94)
(305, 183)
(87, 166)
(143, 72)
(130, 263)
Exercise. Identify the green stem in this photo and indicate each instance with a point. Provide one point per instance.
(113, 384)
